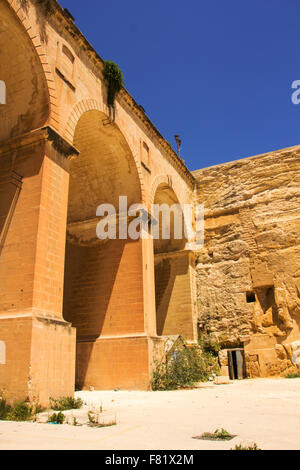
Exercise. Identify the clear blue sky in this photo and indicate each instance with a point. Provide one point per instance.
(218, 73)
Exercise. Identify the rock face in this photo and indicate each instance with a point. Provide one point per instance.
(248, 272)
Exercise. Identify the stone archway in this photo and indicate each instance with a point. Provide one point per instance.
(103, 292)
(174, 273)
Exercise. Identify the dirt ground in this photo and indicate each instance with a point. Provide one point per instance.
(265, 411)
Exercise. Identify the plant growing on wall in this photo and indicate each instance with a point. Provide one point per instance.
(114, 78)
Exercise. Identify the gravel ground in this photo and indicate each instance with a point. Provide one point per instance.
(265, 411)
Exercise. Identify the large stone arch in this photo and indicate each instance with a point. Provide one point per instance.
(97, 300)
(31, 99)
(174, 276)
(90, 104)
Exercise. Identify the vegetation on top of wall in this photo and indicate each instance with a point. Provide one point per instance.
(187, 366)
(115, 81)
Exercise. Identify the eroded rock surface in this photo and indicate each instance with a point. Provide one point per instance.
(248, 272)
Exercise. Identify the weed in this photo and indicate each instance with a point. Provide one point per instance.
(94, 420)
(57, 418)
(37, 408)
(65, 403)
(293, 375)
(253, 446)
(5, 409)
(218, 435)
(19, 411)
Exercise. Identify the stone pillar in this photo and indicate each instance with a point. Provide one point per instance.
(105, 288)
(39, 344)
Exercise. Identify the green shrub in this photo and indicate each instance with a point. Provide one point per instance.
(293, 375)
(254, 446)
(37, 408)
(4, 409)
(222, 435)
(66, 403)
(57, 418)
(187, 366)
(208, 345)
(19, 411)
(94, 420)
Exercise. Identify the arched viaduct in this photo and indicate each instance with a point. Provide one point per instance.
(74, 309)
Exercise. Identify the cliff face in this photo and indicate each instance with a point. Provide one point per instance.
(248, 272)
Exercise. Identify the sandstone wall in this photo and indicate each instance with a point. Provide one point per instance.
(248, 272)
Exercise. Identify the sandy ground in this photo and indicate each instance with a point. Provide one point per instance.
(265, 411)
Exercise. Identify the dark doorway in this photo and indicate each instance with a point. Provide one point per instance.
(236, 364)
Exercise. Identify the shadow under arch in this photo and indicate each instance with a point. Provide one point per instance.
(171, 265)
(95, 297)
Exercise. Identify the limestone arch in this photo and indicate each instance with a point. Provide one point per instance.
(162, 191)
(173, 273)
(103, 290)
(38, 105)
(90, 104)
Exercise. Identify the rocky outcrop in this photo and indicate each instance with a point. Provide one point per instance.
(248, 272)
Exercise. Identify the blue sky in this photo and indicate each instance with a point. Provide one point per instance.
(218, 73)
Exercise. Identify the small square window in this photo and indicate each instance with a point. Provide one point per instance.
(250, 296)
